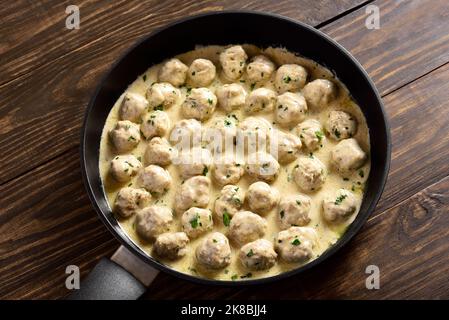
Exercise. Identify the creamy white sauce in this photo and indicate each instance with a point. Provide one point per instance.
(327, 234)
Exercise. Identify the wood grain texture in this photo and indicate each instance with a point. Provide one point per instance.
(43, 110)
(34, 33)
(47, 222)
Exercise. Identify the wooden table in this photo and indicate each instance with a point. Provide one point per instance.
(48, 74)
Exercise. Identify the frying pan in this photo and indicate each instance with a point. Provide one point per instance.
(111, 281)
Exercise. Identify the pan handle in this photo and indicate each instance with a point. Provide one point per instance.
(123, 277)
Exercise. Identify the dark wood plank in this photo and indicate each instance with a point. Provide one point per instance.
(53, 212)
(408, 243)
(23, 47)
(413, 39)
(43, 110)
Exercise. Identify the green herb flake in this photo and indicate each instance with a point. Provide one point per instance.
(144, 77)
(296, 242)
(287, 79)
(205, 170)
(250, 253)
(226, 218)
(248, 275)
(282, 213)
(194, 222)
(298, 202)
(234, 277)
(319, 135)
(361, 174)
(159, 107)
(340, 199)
(210, 101)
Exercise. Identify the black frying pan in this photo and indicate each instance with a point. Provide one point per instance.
(109, 280)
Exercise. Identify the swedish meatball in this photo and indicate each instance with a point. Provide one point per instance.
(155, 179)
(319, 93)
(123, 168)
(125, 136)
(290, 77)
(347, 156)
(246, 226)
(254, 131)
(262, 166)
(193, 162)
(290, 109)
(201, 73)
(214, 251)
(340, 125)
(309, 174)
(228, 170)
(199, 104)
(129, 200)
(171, 245)
(295, 244)
(294, 211)
(159, 152)
(258, 255)
(162, 96)
(132, 107)
(221, 133)
(187, 132)
(260, 100)
(194, 192)
(311, 134)
(339, 206)
(231, 96)
(173, 71)
(228, 203)
(288, 147)
(261, 197)
(233, 61)
(196, 221)
(260, 69)
(155, 124)
(153, 221)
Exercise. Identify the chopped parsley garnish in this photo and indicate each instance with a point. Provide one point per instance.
(210, 101)
(189, 90)
(296, 242)
(248, 275)
(361, 173)
(194, 222)
(252, 86)
(144, 77)
(340, 199)
(250, 253)
(193, 73)
(227, 123)
(234, 277)
(131, 138)
(214, 240)
(298, 202)
(226, 218)
(159, 107)
(287, 79)
(319, 135)
(205, 170)
(337, 133)
(282, 213)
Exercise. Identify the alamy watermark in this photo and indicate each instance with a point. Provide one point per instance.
(73, 19)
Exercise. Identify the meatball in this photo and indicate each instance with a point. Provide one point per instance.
(254, 131)
(259, 100)
(309, 174)
(194, 192)
(173, 71)
(199, 104)
(155, 179)
(125, 136)
(159, 152)
(129, 200)
(233, 62)
(319, 93)
(162, 96)
(340, 125)
(290, 109)
(290, 77)
(132, 107)
(262, 166)
(193, 162)
(246, 226)
(228, 203)
(196, 221)
(171, 245)
(201, 73)
(231, 96)
(347, 156)
(221, 133)
(288, 147)
(187, 132)
(339, 206)
(155, 124)
(153, 221)
(123, 168)
(294, 211)
(214, 251)
(258, 255)
(261, 197)
(228, 170)
(296, 244)
(259, 70)
(311, 134)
